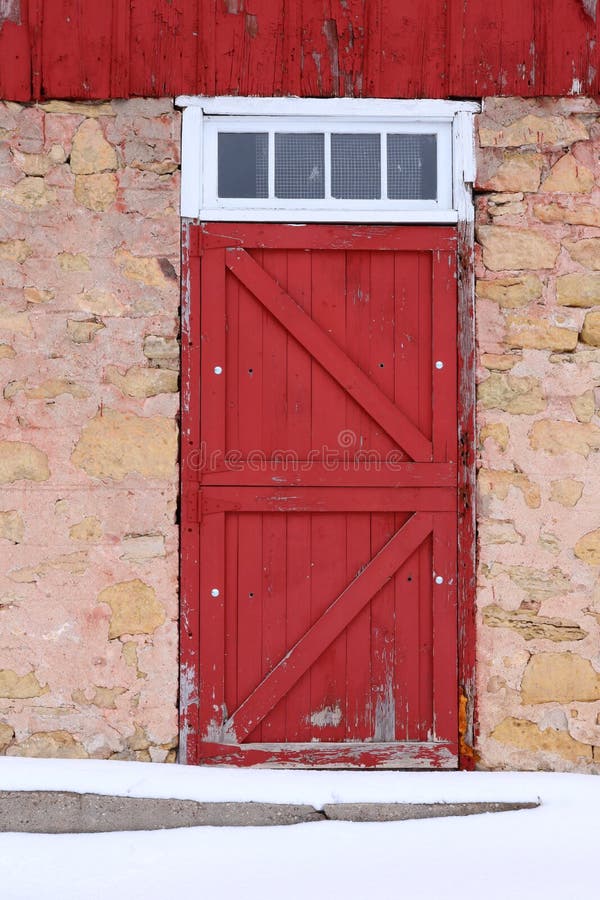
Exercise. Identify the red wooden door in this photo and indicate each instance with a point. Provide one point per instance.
(320, 496)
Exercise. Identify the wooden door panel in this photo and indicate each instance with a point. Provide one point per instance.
(325, 494)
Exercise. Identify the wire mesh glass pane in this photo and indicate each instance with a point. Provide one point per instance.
(243, 164)
(412, 166)
(300, 166)
(356, 166)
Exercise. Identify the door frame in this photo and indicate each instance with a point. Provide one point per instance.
(463, 177)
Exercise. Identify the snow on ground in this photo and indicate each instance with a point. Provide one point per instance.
(549, 852)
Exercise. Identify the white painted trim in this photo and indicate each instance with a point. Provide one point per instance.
(342, 106)
(451, 121)
(300, 216)
(463, 164)
(191, 162)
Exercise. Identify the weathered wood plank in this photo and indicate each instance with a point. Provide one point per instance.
(400, 755)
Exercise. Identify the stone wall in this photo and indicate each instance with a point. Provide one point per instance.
(538, 327)
(89, 254)
(89, 296)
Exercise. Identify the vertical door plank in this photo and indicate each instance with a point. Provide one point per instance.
(299, 548)
(444, 343)
(211, 653)
(250, 549)
(328, 675)
(360, 431)
(381, 366)
(445, 632)
(407, 337)
(274, 430)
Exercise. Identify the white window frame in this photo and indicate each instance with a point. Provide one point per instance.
(452, 122)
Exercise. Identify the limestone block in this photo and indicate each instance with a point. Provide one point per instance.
(103, 697)
(566, 491)
(499, 482)
(49, 744)
(54, 387)
(499, 362)
(90, 110)
(564, 437)
(15, 322)
(590, 333)
(114, 444)
(130, 655)
(153, 271)
(539, 584)
(141, 382)
(39, 164)
(161, 349)
(527, 736)
(29, 133)
(531, 626)
(584, 406)
(91, 152)
(587, 548)
(516, 248)
(21, 461)
(18, 250)
(535, 130)
(578, 290)
(11, 526)
(69, 563)
(496, 531)
(580, 214)
(20, 687)
(510, 293)
(32, 193)
(498, 432)
(100, 303)
(96, 192)
(559, 677)
(506, 209)
(6, 735)
(569, 176)
(83, 331)
(523, 332)
(139, 739)
(505, 198)
(7, 352)
(585, 251)
(142, 546)
(88, 530)
(35, 295)
(520, 396)
(134, 608)
(73, 262)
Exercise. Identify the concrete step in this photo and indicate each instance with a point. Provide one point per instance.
(65, 812)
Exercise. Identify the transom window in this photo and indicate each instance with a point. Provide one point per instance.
(314, 167)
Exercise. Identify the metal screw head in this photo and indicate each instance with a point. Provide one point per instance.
(214, 592)
(439, 364)
(218, 370)
(439, 579)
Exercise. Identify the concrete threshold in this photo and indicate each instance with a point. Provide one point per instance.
(65, 812)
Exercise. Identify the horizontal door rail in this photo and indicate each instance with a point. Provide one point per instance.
(325, 499)
(285, 471)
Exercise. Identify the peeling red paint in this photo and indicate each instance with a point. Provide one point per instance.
(430, 49)
(10, 11)
(589, 7)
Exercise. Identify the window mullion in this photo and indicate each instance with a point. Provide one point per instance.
(327, 173)
(384, 173)
(271, 169)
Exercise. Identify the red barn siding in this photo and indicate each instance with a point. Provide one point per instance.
(86, 49)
